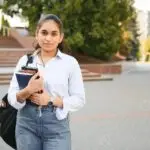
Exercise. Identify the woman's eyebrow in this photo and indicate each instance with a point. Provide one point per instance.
(44, 30)
(54, 31)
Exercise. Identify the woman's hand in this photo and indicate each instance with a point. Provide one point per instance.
(44, 98)
(35, 84)
(58, 102)
(41, 99)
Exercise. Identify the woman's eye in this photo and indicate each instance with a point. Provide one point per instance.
(44, 33)
(54, 33)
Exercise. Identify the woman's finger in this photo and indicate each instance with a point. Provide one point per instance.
(35, 101)
(34, 96)
(36, 76)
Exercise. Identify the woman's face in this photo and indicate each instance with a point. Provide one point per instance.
(49, 36)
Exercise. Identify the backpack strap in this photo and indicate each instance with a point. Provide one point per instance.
(29, 59)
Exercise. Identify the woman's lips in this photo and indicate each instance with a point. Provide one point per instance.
(47, 44)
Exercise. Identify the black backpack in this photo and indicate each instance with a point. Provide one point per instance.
(8, 118)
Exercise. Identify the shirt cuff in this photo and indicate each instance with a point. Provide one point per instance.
(61, 113)
(12, 99)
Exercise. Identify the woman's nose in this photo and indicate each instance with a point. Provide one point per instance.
(48, 37)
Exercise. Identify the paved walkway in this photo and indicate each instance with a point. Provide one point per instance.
(116, 115)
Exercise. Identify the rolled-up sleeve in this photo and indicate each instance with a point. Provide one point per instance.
(76, 98)
(14, 88)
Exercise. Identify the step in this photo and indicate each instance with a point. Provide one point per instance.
(9, 58)
(5, 62)
(100, 78)
(6, 42)
(87, 74)
(91, 78)
(4, 82)
(84, 70)
(8, 65)
(7, 77)
(8, 61)
(8, 54)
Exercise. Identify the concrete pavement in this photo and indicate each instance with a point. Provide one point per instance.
(116, 115)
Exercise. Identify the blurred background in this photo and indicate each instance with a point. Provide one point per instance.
(111, 41)
(101, 29)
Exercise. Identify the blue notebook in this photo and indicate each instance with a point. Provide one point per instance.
(23, 79)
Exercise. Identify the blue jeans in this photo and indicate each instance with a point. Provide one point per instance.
(41, 133)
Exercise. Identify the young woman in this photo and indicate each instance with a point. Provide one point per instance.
(42, 119)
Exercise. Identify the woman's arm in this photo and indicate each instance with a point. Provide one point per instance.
(23, 94)
(13, 99)
(76, 98)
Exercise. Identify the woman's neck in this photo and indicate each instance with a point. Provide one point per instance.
(48, 54)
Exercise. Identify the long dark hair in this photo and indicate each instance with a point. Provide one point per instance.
(61, 46)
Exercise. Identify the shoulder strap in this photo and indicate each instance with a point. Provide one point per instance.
(29, 59)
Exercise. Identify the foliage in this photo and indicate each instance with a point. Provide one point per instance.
(147, 49)
(4, 31)
(147, 45)
(92, 27)
(130, 39)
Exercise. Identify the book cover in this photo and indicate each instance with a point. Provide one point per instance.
(23, 79)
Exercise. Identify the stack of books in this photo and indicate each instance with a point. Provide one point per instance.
(24, 75)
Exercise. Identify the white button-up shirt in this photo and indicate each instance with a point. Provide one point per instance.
(62, 77)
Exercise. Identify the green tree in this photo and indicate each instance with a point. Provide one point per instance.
(130, 43)
(92, 27)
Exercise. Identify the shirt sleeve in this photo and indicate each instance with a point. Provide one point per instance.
(14, 88)
(76, 98)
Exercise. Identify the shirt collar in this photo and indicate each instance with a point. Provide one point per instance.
(59, 54)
